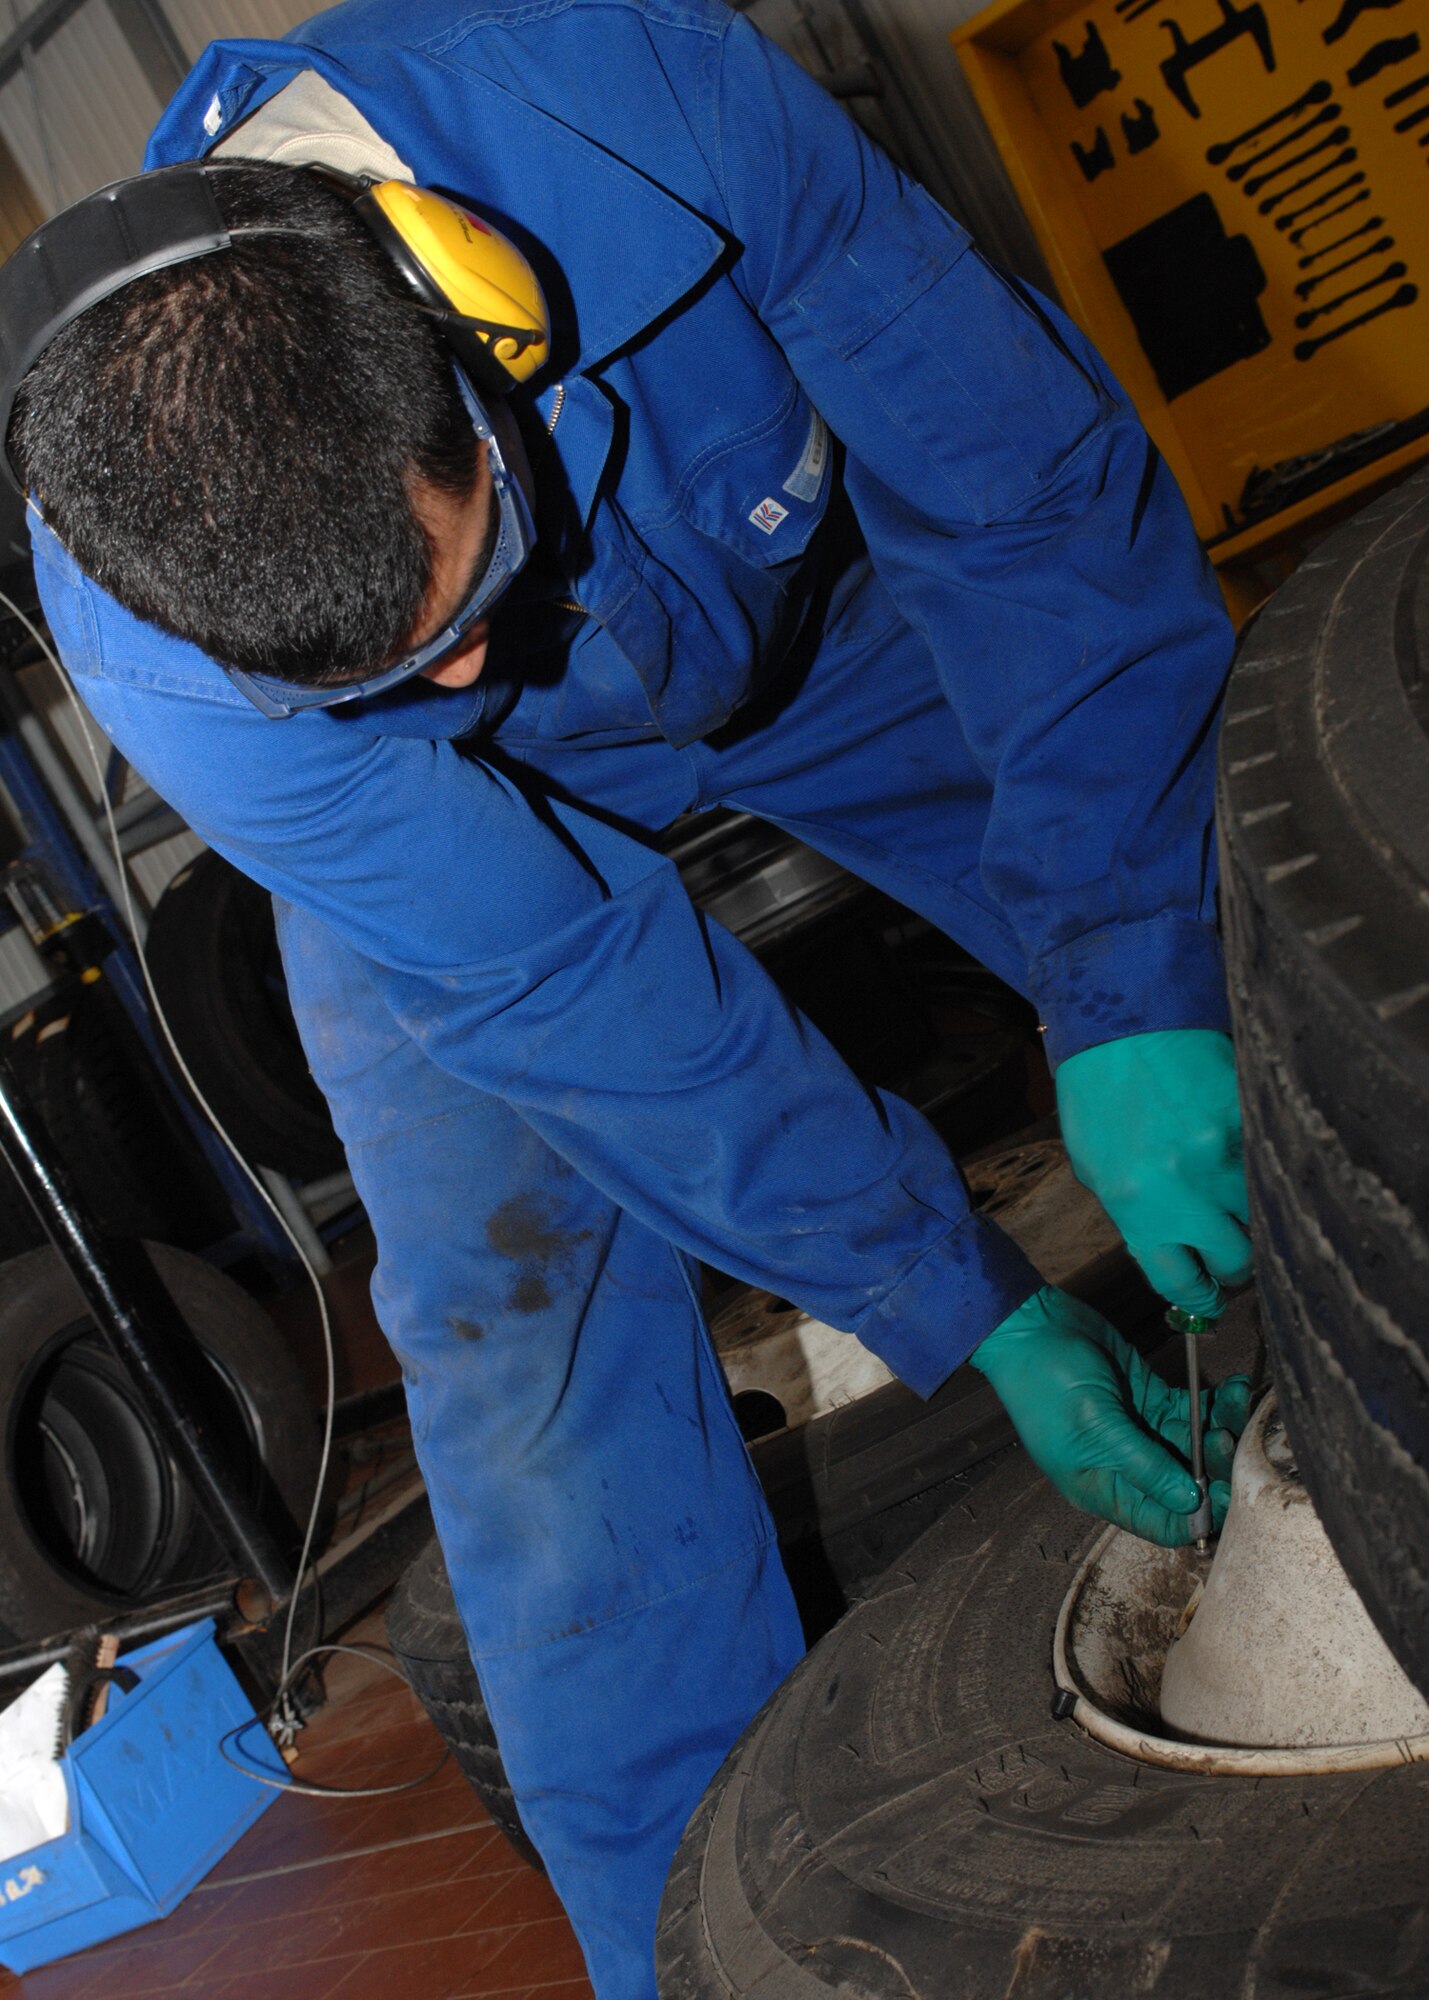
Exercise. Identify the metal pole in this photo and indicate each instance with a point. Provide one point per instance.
(141, 1323)
(23, 1663)
(155, 46)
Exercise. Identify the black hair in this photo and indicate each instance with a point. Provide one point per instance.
(228, 446)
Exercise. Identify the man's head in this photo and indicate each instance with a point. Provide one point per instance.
(264, 450)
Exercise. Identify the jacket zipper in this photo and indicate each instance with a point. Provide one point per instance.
(564, 603)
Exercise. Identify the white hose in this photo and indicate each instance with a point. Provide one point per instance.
(1304, 1760)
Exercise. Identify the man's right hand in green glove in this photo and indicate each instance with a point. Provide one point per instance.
(1111, 1436)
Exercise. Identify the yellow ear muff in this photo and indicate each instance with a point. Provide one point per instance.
(481, 275)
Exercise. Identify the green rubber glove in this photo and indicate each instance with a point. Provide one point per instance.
(1111, 1436)
(1152, 1127)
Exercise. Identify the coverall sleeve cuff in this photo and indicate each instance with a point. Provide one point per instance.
(1131, 979)
(954, 1296)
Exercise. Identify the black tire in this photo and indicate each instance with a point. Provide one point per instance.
(849, 1492)
(426, 1635)
(94, 1516)
(854, 1488)
(1325, 835)
(92, 1096)
(906, 1819)
(94, 1112)
(755, 879)
(213, 956)
(97, 1096)
(20, 1227)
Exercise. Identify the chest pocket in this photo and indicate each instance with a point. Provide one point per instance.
(764, 491)
(719, 436)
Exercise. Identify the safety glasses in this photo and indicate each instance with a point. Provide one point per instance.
(515, 534)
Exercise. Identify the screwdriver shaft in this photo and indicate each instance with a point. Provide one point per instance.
(1201, 1520)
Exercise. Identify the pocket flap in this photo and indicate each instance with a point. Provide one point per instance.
(892, 261)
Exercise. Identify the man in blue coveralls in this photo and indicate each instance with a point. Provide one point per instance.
(834, 525)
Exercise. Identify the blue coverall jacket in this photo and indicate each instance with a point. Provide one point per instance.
(731, 267)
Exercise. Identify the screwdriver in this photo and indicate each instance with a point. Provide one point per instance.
(1192, 1325)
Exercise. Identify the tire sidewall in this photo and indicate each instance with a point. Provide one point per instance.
(40, 1308)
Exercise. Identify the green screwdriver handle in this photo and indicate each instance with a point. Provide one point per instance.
(1180, 1321)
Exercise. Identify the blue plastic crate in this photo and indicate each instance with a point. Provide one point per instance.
(152, 1805)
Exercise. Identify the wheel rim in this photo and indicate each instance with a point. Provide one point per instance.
(93, 1483)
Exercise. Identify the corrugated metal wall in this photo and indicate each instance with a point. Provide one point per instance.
(19, 209)
(100, 90)
(95, 103)
(97, 97)
(198, 22)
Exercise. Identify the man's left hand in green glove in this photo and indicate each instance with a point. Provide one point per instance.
(1152, 1127)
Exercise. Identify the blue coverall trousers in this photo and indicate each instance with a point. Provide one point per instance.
(607, 1541)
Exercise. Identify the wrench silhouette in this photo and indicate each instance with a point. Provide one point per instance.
(1284, 221)
(1308, 285)
(1335, 138)
(1405, 296)
(1244, 167)
(1349, 14)
(1386, 277)
(1328, 249)
(1345, 159)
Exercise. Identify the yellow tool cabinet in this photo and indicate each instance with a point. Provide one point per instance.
(1233, 197)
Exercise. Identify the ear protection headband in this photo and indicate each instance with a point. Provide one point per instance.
(464, 275)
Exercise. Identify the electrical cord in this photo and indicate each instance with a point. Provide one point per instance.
(308, 1787)
(283, 1719)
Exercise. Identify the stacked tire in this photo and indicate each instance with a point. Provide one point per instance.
(95, 1516)
(907, 1817)
(1324, 815)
